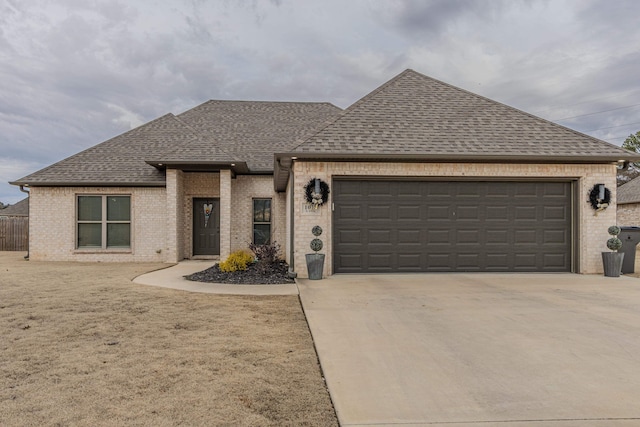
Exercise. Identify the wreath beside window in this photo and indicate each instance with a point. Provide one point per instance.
(316, 192)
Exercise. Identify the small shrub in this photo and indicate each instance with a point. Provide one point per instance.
(614, 230)
(237, 261)
(266, 254)
(614, 244)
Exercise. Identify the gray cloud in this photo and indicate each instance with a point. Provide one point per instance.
(75, 73)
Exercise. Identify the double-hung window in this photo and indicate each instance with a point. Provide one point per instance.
(104, 222)
(261, 221)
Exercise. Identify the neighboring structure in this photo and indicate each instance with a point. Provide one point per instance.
(629, 203)
(421, 176)
(14, 227)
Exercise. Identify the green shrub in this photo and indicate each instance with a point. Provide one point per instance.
(237, 261)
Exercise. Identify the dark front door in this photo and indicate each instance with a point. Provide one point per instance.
(206, 226)
(415, 226)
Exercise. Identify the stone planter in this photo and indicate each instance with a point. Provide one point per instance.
(315, 265)
(612, 262)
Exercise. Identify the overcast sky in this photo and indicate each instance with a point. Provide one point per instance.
(74, 73)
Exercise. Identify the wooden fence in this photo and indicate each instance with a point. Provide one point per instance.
(14, 233)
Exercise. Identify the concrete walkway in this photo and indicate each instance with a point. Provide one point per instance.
(172, 277)
(478, 349)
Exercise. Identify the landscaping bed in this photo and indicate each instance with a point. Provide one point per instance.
(272, 274)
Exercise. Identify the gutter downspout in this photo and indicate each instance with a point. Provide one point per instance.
(29, 203)
(292, 262)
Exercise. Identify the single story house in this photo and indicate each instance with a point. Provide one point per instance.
(417, 176)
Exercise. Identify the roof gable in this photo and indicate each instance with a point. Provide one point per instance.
(413, 114)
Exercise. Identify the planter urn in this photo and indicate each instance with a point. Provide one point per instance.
(315, 265)
(612, 262)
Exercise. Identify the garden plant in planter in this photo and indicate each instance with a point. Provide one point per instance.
(612, 261)
(315, 261)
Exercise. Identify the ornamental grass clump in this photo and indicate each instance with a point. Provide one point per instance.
(614, 243)
(237, 261)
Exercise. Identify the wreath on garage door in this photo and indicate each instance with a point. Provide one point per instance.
(599, 197)
(316, 192)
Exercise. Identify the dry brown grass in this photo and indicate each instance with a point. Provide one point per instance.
(80, 344)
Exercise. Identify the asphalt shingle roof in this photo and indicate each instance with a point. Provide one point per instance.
(254, 131)
(629, 192)
(118, 161)
(17, 209)
(413, 114)
(216, 131)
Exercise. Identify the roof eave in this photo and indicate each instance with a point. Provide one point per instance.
(234, 166)
(88, 184)
(283, 161)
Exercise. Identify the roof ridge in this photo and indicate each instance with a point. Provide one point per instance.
(351, 107)
(245, 101)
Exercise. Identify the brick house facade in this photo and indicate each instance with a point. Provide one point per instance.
(140, 196)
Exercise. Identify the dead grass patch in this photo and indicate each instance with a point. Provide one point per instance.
(80, 344)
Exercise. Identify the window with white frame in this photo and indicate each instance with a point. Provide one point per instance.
(261, 221)
(104, 222)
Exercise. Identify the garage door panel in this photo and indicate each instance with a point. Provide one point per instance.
(452, 226)
(525, 237)
(466, 237)
(350, 212)
(438, 236)
(468, 213)
(408, 212)
(497, 213)
(350, 236)
(409, 237)
(378, 189)
(496, 236)
(528, 213)
(552, 261)
(468, 262)
(550, 213)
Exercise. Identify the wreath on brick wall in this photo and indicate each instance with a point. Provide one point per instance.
(316, 192)
(599, 199)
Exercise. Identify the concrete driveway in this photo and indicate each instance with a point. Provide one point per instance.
(478, 349)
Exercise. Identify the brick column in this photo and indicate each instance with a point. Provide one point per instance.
(175, 216)
(225, 214)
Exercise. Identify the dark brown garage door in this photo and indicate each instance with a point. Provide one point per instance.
(417, 226)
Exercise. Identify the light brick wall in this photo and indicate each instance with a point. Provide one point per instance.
(52, 225)
(592, 234)
(629, 214)
(245, 188)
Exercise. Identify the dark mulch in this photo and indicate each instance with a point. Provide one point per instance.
(274, 274)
